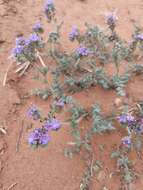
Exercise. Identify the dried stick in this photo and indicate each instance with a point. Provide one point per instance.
(77, 62)
(5, 76)
(91, 166)
(3, 131)
(25, 68)
(13, 185)
(22, 66)
(40, 59)
(19, 137)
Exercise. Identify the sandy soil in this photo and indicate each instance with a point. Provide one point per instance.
(45, 169)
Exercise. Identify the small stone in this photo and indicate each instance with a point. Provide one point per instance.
(2, 41)
(105, 188)
(101, 176)
(118, 102)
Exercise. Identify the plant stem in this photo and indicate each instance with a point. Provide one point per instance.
(77, 62)
(40, 59)
(117, 68)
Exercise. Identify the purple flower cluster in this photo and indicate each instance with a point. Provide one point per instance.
(126, 118)
(126, 141)
(38, 27)
(129, 120)
(139, 37)
(49, 10)
(137, 126)
(20, 41)
(34, 113)
(111, 20)
(74, 33)
(134, 125)
(59, 103)
(19, 48)
(83, 51)
(52, 124)
(25, 48)
(33, 38)
(39, 137)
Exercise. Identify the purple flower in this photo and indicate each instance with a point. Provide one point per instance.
(139, 125)
(59, 103)
(83, 51)
(49, 3)
(38, 27)
(19, 48)
(34, 113)
(33, 38)
(126, 141)
(25, 49)
(139, 37)
(52, 124)
(122, 118)
(39, 137)
(17, 51)
(130, 118)
(125, 118)
(49, 9)
(111, 20)
(20, 41)
(74, 33)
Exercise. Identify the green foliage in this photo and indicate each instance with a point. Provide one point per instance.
(88, 71)
(137, 69)
(55, 35)
(92, 169)
(65, 64)
(100, 124)
(119, 82)
(72, 72)
(101, 78)
(76, 114)
(119, 52)
(78, 84)
(96, 34)
(125, 166)
(56, 88)
(42, 93)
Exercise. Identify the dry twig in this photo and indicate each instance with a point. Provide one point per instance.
(11, 186)
(5, 76)
(20, 135)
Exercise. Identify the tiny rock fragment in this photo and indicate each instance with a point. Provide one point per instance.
(118, 102)
(105, 188)
(101, 176)
(2, 41)
(2, 130)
